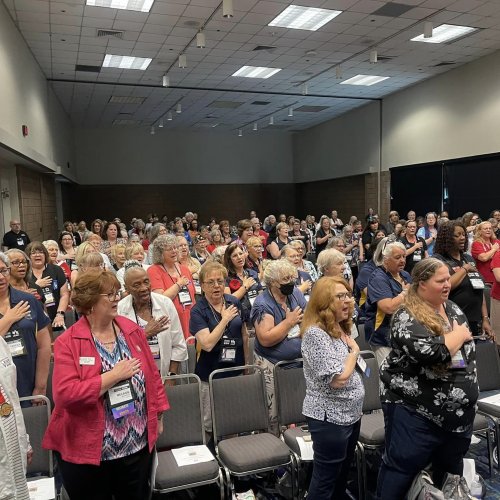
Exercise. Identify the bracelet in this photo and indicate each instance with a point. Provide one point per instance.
(60, 312)
(179, 286)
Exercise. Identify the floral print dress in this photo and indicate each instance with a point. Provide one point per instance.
(419, 372)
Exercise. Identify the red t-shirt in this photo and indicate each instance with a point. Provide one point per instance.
(495, 291)
(483, 267)
(161, 280)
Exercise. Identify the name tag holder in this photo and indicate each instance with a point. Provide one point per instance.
(49, 297)
(121, 398)
(476, 280)
(252, 295)
(197, 287)
(154, 346)
(16, 343)
(363, 367)
(184, 296)
(228, 350)
(458, 361)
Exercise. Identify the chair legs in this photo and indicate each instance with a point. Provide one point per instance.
(361, 469)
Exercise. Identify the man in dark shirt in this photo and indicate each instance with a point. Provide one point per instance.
(15, 238)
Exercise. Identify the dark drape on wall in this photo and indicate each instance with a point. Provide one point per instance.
(473, 185)
(418, 188)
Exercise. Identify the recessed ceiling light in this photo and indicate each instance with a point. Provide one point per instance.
(256, 72)
(364, 80)
(304, 18)
(137, 5)
(445, 33)
(126, 62)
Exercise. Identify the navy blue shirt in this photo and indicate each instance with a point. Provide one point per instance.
(21, 339)
(249, 298)
(288, 348)
(204, 316)
(381, 285)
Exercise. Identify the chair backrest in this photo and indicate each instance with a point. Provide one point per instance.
(251, 350)
(36, 420)
(239, 403)
(371, 383)
(289, 391)
(183, 422)
(191, 357)
(361, 339)
(488, 366)
(49, 383)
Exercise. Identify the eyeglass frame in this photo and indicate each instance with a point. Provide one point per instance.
(112, 295)
(5, 271)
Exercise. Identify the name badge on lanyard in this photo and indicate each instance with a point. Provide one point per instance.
(16, 343)
(49, 297)
(417, 256)
(20, 241)
(252, 295)
(154, 346)
(121, 399)
(458, 361)
(476, 281)
(185, 296)
(228, 350)
(197, 287)
(361, 364)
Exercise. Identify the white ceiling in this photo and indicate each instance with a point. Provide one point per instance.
(62, 34)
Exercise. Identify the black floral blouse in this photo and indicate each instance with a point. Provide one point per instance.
(418, 372)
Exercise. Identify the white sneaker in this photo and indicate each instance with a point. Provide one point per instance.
(475, 440)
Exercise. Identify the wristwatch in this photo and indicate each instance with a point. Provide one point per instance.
(60, 312)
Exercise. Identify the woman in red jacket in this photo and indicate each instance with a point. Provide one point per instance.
(108, 397)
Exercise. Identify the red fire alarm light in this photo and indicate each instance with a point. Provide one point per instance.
(25, 130)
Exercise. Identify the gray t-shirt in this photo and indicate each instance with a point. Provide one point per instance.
(324, 357)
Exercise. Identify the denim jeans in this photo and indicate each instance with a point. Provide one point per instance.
(334, 446)
(412, 442)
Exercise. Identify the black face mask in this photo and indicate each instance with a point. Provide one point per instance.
(287, 288)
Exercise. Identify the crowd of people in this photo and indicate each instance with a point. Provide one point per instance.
(142, 293)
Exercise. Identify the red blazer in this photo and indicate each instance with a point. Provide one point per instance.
(76, 427)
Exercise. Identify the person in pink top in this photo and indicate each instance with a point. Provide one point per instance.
(172, 279)
(109, 398)
(495, 297)
(483, 249)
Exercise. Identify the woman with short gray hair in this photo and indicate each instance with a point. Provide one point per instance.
(331, 262)
(306, 265)
(387, 288)
(153, 232)
(276, 315)
(172, 279)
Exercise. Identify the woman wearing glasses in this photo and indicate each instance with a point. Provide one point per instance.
(109, 398)
(52, 280)
(20, 274)
(24, 326)
(428, 384)
(334, 389)
(218, 324)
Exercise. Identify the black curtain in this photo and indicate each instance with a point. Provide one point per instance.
(472, 184)
(418, 188)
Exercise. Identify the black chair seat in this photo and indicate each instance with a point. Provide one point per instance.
(488, 408)
(170, 475)
(372, 430)
(480, 423)
(253, 452)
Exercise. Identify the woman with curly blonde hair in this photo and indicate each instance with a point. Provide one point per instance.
(428, 384)
(334, 389)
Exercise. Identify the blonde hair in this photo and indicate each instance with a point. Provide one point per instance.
(477, 232)
(132, 248)
(319, 311)
(82, 251)
(415, 305)
(117, 248)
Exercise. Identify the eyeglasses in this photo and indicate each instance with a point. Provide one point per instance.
(37, 252)
(112, 295)
(344, 297)
(18, 263)
(5, 271)
(212, 283)
(138, 286)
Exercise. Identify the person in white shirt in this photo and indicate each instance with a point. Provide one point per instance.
(157, 315)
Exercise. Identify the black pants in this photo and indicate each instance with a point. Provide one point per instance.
(411, 443)
(125, 478)
(334, 446)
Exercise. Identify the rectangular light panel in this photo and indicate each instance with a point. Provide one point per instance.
(445, 33)
(366, 80)
(137, 5)
(304, 18)
(126, 62)
(256, 72)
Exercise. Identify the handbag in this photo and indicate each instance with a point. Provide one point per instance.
(456, 488)
(423, 488)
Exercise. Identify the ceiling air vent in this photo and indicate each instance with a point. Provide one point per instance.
(115, 33)
(88, 69)
(265, 47)
(444, 63)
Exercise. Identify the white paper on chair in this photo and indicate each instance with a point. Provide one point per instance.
(190, 455)
(492, 400)
(42, 489)
(306, 448)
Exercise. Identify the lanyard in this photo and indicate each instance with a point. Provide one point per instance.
(135, 311)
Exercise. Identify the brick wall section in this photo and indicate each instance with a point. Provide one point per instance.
(371, 198)
(37, 203)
